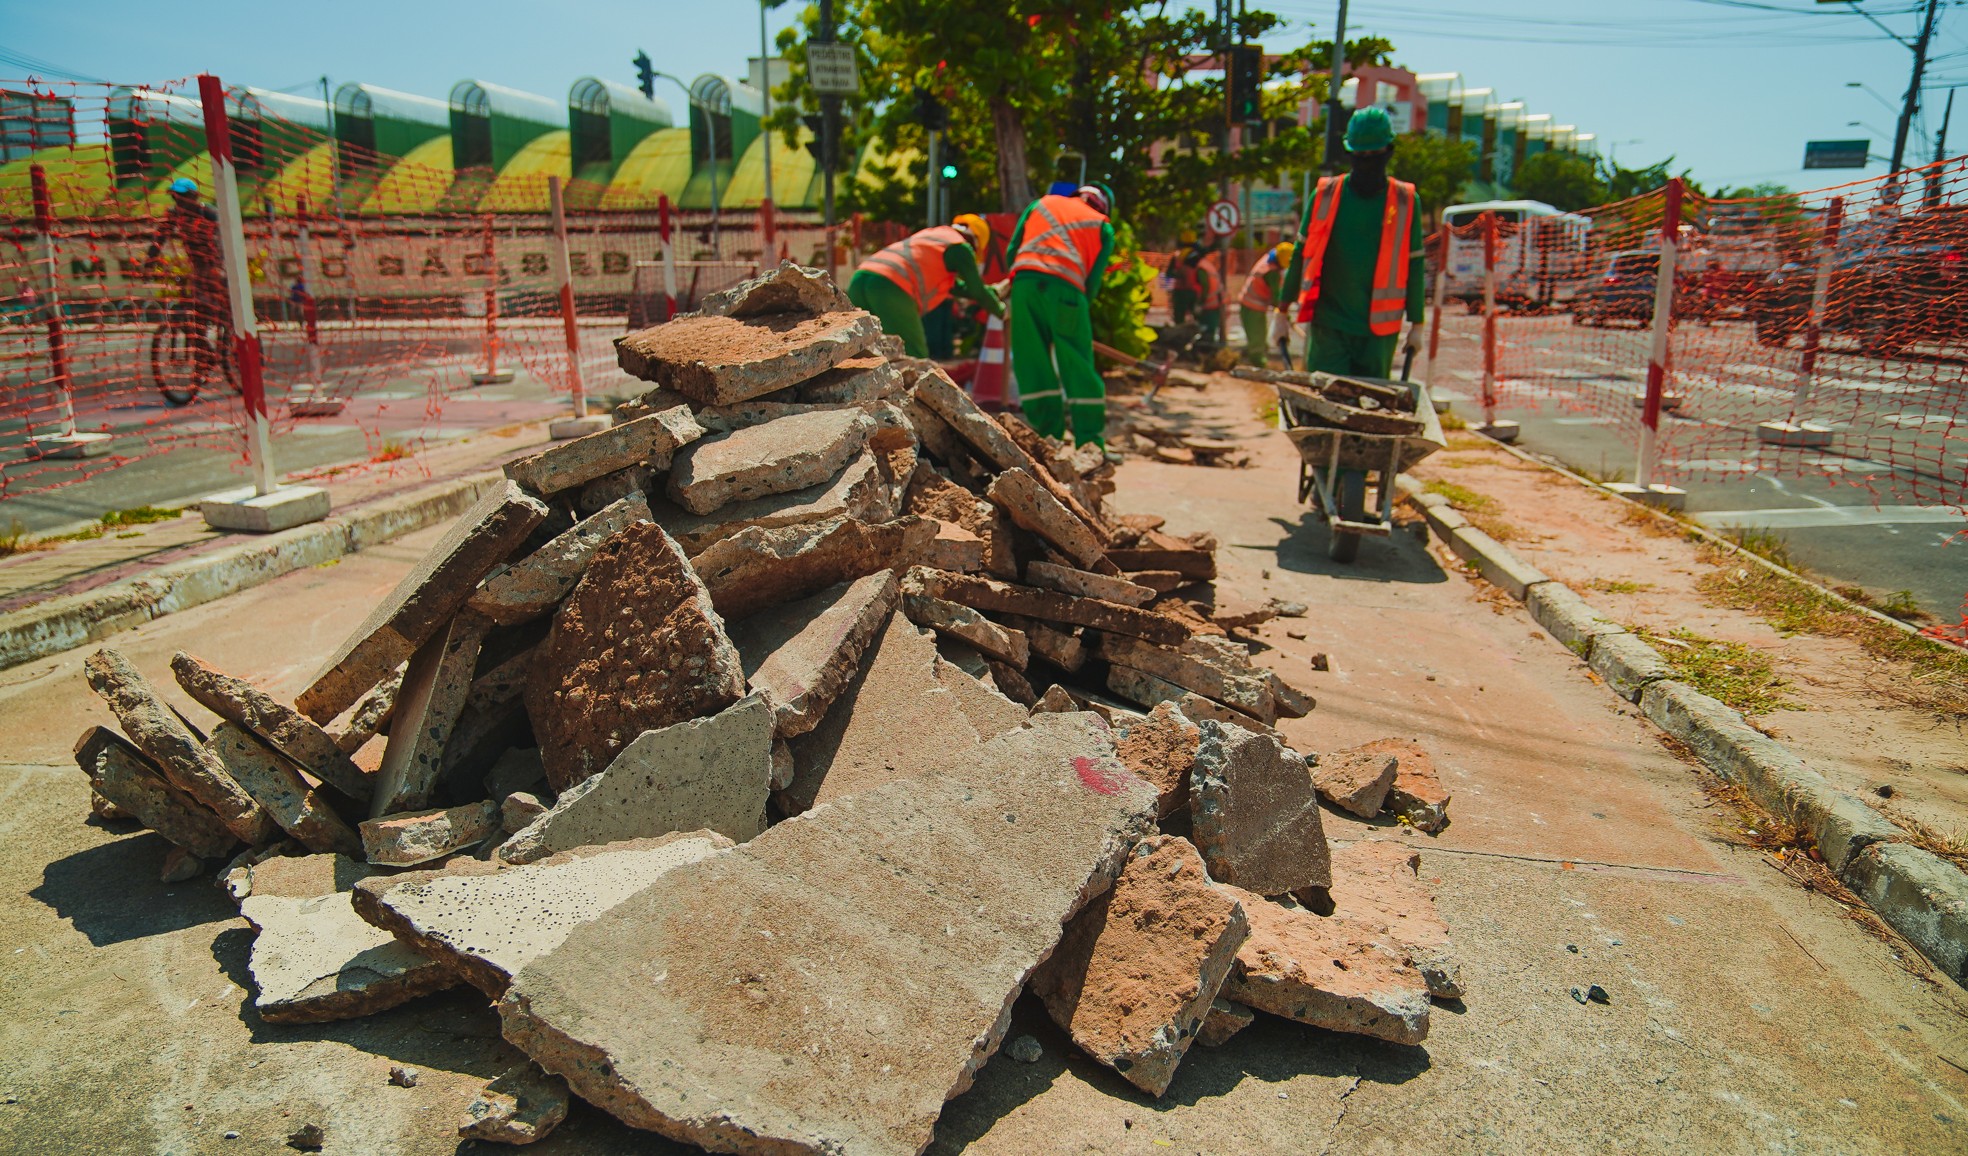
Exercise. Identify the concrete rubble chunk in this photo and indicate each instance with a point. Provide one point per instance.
(790, 453)
(121, 774)
(609, 489)
(757, 568)
(857, 379)
(1056, 701)
(856, 492)
(636, 647)
(1327, 971)
(163, 736)
(800, 656)
(486, 926)
(766, 975)
(721, 360)
(1083, 584)
(1357, 779)
(1375, 883)
(520, 1107)
(1136, 971)
(1225, 1019)
(709, 774)
(425, 599)
(647, 440)
(1161, 748)
(791, 288)
(948, 618)
(276, 784)
(436, 684)
(1198, 708)
(519, 809)
(1018, 493)
(936, 392)
(996, 597)
(1417, 794)
(369, 718)
(278, 725)
(536, 583)
(1062, 648)
(315, 960)
(1211, 675)
(1255, 814)
(419, 836)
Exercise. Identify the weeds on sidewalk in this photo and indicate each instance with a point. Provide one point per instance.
(1729, 672)
(1619, 586)
(1483, 511)
(141, 515)
(14, 540)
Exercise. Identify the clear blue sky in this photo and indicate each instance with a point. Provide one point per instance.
(1730, 88)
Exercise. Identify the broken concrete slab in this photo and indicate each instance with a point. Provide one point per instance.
(536, 583)
(948, 618)
(720, 360)
(425, 599)
(294, 876)
(520, 1107)
(857, 492)
(1197, 708)
(609, 489)
(954, 549)
(1225, 1019)
(436, 684)
(777, 457)
(936, 392)
(1356, 779)
(1375, 882)
(369, 718)
(519, 809)
(702, 774)
(1205, 673)
(1062, 648)
(1417, 794)
(772, 977)
(858, 379)
(315, 960)
(1005, 598)
(121, 774)
(800, 656)
(1255, 814)
(757, 568)
(1018, 493)
(1193, 563)
(649, 440)
(280, 726)
(636, 647)
(162, 735)
(1137, 970)
(791, 288)
(1326, 971)
(419, 836)
(276, 784)
(1083, 584)
(1161, 748)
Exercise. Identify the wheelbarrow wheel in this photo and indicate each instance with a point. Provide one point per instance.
(1352, 496)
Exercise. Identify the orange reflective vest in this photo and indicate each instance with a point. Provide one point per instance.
(1200, 280)
(1257, 293)
(1062, 238)
(918, 264)
(1388, 302)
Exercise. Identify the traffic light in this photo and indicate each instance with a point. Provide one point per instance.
(930, 112)
(813, 145)
(949, 171)
(645, 74)
(1246, 82)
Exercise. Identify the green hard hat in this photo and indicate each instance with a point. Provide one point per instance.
(1369, 130)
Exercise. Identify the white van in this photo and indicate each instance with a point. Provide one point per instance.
(1541, 252)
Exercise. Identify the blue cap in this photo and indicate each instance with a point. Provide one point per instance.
(184, 185)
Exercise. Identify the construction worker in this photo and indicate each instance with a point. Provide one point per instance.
(901, 283)
(1183, 289)
(1208, 288)
(1360, 263)
(1058, 254)
(1260, 298)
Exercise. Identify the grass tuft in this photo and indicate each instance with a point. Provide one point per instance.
(1741, 676)
(1619, 586)
(141, 515)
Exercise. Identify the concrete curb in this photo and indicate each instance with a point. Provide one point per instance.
(1921, 895)
(72, 620)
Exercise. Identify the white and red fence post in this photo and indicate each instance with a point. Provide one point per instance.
(66, 442)
(581, 423)
(665, 230)
(1438, 294)
(1794, 431)
(1657, 357)
(489, 253)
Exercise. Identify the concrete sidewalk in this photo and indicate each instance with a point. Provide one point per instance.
(1745, 1014)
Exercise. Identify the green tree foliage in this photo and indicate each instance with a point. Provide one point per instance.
(1563, 180)
(1117, 313)
(1437, 167)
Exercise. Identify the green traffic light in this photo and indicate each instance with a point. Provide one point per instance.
(949, 172)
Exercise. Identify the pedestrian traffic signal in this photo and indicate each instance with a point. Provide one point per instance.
(814, 123)
(645, 74)
(1246, 82)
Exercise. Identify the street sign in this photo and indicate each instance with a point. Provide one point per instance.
(830, 69)
(1223, 218)
(1836, 154)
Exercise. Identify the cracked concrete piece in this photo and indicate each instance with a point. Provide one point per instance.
(800, 656)
(789, 453)
(1018, 493)
(1211, 675)
(162, 735)
(636, 647)
(521, 1106)
(276, 784)
(314, 960)
(1327, 971)
(708, 773)
(278, 725)
(436, 683)
(937, 393)
(1137, 970)
(856, 492)
(1225, 1019)
(720, 360)
(857, 379)
(1417, 794)
(536, 583)
(518, 809)
(1005, 598)
(791, 288)
(1067, 580)
(369, 718)
(1062, 648)
(486, 926)
(961, 622)
(757, 568)
(1357, 779)
(1374, 882)
(1255, 814)
(954, 548)
(425, 599)
(1161, 748)
(645, 441)
(420, 836)
(750, 1002)
(121, 774)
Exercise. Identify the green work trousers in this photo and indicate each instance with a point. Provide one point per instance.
(1257, 328)
(1050, 325)
(1182, 302)
(1350, 354)
(892, 306)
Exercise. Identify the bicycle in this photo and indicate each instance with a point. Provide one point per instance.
(188, 350)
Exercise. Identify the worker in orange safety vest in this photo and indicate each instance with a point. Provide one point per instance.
(1260, 298)
(1358, 270)
(910, 278)
(1059, 253)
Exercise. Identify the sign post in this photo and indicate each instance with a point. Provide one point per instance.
(1836, 154)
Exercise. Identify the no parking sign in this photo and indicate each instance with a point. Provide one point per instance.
(1223, 218)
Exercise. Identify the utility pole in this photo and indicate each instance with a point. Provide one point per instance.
(1934, 178)
(1913, 85)
(829, 134)
(1334, 134)
(1223, 158)
(765, 82)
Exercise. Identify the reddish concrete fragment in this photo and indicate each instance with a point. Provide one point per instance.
(1327, 971)
(278, 725)
(1356, 779)
(1161, 748)
(801, 655)
(757, 568)
(1417, 795)
(1374, 882)
(1003, 597)
(1255, 814)
(124, 777)
(722, 360)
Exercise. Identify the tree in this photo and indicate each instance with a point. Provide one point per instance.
(1562, 180)
(1437, 167)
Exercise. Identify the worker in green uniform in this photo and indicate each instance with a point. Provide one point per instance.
(1059, 253)
(1358, 270)
(1260, 298)
(1207, 287)
(902, 283)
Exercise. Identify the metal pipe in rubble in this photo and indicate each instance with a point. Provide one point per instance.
(1489, 223)
(1643, 474)
(232, 249)
(62, 383)
(565, 268)
(1807, 370)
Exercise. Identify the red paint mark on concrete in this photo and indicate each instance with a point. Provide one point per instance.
(1096, 777)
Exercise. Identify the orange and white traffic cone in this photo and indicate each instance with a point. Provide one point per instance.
(987, 386)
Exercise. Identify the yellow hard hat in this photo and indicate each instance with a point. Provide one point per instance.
(980, 232)
(1187, 237)
(1285, 251)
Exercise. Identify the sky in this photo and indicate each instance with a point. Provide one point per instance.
(1731, 89)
